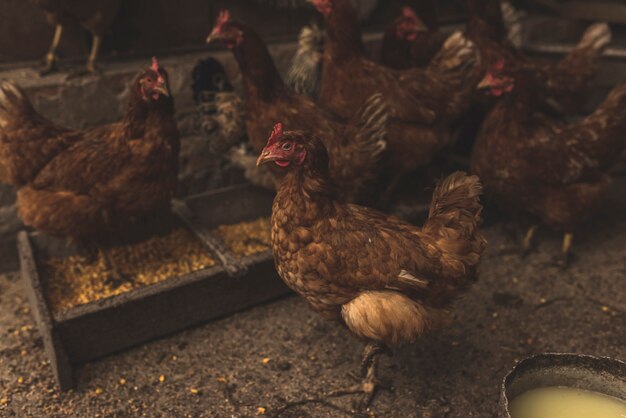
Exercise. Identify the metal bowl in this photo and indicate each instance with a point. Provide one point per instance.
(596, 374)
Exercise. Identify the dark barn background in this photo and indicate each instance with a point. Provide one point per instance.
(530, 315)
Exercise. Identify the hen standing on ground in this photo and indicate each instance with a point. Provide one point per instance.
(87, 185)
(94, 15)
(354, 147)
(388, 281)
(530, 160)
(422, 102)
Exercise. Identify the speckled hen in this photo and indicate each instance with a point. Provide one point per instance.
(388, 281)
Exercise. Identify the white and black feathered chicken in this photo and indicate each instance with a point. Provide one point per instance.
(221, 110)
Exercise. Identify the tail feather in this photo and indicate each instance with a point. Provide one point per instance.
(595, 38)
(304, 75)
(371, 121)
(569, 80)
(513, 22)
(455, 65)
(13, 103)
(454, 218)
(456, 58)
(356, 161)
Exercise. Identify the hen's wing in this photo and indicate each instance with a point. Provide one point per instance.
(28, 141)
(85, 167)
(423, 95)
(354, 161)
(583, 150)
(362, 249)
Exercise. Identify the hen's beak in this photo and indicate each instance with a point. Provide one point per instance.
(264, 157)
(213, 37)
(485, 83)
(161, 89)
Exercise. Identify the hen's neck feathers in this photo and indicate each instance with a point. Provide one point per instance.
(343, 34)
(309, 189)
(260, 75)
(141, 117)
(518, 107)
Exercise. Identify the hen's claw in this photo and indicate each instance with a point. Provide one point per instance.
(50, 66)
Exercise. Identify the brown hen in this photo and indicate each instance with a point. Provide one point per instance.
(531, 160)
(567, 81)
(388, 281)
(87, 185)
(422, 102)
(355, 145)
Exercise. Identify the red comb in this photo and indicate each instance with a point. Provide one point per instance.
(407, 12)
(155, 65)
(277, 132)
(222, 18)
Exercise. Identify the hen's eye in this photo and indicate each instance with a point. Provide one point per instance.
(286, 146)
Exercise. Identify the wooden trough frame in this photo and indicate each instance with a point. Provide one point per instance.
(99, 328)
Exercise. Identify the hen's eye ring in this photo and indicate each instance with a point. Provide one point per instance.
(286, 146)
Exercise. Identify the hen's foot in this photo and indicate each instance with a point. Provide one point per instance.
(566, 257)
(115, 276)
(50, 66)
(369, 385)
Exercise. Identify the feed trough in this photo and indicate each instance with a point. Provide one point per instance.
(87, 331)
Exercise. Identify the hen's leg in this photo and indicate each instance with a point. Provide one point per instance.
(51, 57)
(527, 244)
(93, 55)
(565, 257)
(91, 67)
(369, 384)
(369, 370)
(115, 275)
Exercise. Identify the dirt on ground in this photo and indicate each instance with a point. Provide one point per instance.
(254, 362)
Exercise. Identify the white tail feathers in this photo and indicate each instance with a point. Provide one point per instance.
(513, 21)
(305, 71)
(12, 102)
(597, 37)
(372, 124)
(458, 53)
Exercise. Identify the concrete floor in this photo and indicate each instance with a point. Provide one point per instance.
(282, 351)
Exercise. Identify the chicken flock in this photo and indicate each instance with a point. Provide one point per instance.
(344, 127)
